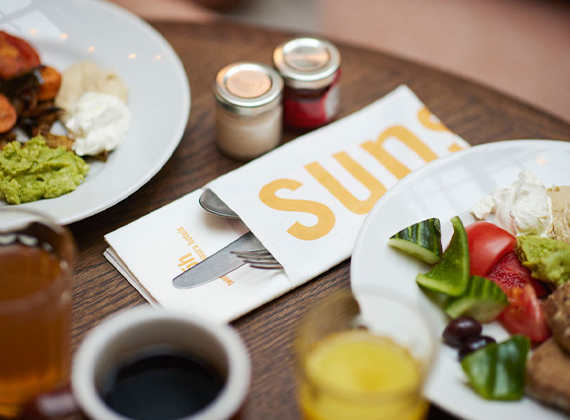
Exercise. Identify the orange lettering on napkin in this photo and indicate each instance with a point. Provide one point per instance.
(376, 188)
(325, 217)
(398, 169)
(428, 120)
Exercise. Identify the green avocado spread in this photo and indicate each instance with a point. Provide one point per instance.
(547, 259)
(34, 171)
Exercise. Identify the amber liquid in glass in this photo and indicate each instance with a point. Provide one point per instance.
(35, 310)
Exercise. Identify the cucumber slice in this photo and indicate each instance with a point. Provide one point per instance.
(451, 274)
(421, 240)
(482, 299)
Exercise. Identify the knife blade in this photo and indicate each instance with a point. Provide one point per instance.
(218, 264)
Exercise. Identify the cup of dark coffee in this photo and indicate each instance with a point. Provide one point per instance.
(146, 363)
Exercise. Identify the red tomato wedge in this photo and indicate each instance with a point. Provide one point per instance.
(488, 243)
(16, 56)
(509, 272)
(524, 314)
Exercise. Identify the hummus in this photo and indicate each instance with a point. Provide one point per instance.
(86, 76)
(560, 197)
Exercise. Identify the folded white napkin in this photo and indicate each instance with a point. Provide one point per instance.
(305, 201)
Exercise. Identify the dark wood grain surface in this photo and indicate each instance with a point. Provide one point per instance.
(477, 114)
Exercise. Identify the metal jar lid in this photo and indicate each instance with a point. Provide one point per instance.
(248, 88)
(307, 63)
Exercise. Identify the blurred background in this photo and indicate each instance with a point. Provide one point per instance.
(519, 47)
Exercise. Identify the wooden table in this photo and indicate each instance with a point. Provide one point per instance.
(476, 113)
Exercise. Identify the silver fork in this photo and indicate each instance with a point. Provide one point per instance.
(256, 259)
(259, 259)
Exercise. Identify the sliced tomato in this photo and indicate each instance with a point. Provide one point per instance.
(509, 272)
(16, 56)
(524, 314)
(488, 243)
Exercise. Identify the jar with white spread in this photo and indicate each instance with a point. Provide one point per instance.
(248, 109)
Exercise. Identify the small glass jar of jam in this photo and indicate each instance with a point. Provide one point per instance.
(249, 115)
(310, 68)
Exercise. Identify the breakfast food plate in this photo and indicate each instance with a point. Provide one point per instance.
(65, 32)
(444, 188)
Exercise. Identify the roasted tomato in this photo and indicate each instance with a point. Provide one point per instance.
(524, 314)
(8, 115)
(488, 243)
(16, 56)
(49, 84)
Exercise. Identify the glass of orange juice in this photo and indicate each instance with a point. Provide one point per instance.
(364, 359)
(36, 263)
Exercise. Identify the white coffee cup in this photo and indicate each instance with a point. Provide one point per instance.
(134, 329)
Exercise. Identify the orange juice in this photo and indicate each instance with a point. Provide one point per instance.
(357, 375)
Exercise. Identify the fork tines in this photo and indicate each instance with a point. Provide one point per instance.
(259, 259)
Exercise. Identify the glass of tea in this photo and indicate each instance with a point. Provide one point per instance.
(36, 263)
(366, 358)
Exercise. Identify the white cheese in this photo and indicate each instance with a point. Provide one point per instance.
(98, 122)
(522, 208)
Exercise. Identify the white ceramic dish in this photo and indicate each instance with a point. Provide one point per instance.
(444, 188)
(67, 31)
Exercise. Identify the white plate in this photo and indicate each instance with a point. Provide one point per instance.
(444, 188)
(67, 31)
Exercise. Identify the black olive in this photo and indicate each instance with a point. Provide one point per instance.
(460, 330)
(474, 344)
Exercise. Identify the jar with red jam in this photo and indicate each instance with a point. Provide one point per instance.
(310, 68)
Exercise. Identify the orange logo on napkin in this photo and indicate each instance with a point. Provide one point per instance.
(325, 216)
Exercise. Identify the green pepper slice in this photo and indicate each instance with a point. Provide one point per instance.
(497, 371)
(451, 274)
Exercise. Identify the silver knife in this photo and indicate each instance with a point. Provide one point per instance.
(218, 264)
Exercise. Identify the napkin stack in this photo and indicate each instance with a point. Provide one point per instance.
(305, 201)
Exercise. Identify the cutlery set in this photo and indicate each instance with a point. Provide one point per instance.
(247, 249)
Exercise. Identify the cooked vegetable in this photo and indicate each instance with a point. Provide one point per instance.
(497, 371)
(482, 299)
(474, 344)
(39, 120)
(53, 141)
(524, 314)
(49, 84)
(421, 240)
(22, 91)
(488, 243)
(8, 114)
(460, 330)
(16, 56)
(547, 259)
(451, 274)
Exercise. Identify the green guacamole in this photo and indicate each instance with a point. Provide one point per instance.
(34, 171)
(547, 259)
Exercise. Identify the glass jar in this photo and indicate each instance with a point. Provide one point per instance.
(249, 117)
(310, 68)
